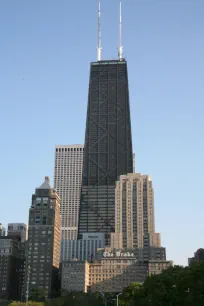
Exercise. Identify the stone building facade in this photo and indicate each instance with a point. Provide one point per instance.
(43, 255)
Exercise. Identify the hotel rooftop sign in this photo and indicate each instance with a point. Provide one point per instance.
(118, 254)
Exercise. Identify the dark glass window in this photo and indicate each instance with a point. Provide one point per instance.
(44, 221)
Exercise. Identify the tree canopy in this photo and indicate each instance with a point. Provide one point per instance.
(176, 286)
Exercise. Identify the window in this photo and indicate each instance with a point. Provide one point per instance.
(37, 219)
(44, 221)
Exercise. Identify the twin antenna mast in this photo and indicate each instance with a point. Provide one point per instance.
(120, 49)
(99, 48)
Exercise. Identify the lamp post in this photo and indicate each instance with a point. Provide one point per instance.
(117, 296)
(27, 286)
(104, 298)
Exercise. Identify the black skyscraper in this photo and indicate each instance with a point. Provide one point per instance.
(108, 145)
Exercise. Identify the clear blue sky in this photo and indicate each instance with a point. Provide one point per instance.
(46, 48)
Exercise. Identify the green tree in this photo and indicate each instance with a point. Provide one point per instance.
(133, 294)
(160, 289)
(38, 294)
(176, 286)
(190, 286)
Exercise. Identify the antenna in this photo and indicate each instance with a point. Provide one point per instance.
(120, 50)
(99, 32)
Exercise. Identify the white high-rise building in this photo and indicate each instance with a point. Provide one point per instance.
(67, 183)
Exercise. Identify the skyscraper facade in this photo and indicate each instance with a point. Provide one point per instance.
(18, 231)
(11, 269)
(44, 240)
(134, 213)
(67, 183)
(108, 145)
(2, 230)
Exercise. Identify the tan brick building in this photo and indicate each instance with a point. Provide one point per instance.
(134, 213)
(112, 273)
(157, 266)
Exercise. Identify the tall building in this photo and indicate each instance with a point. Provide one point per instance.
(2, 230)
(108, 145)
(11, 269)
(44, 240)
(108, 140)
(198, 257)
(134, 213)
(18, 231)
(67, 183)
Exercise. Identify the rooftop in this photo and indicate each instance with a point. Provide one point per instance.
(46, 184)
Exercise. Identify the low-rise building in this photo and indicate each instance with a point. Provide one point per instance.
(75, 276)
(115, 274)
(157, 266)
(112, 272)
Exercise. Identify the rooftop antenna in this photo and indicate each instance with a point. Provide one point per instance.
(99, 32)
(120, 50)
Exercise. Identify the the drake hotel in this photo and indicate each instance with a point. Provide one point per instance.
(112, 272)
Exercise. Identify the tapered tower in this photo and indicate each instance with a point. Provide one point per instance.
(108, 144)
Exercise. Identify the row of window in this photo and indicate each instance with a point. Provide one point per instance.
(69, 149)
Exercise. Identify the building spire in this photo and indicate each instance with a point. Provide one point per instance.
(99, 32)
(120, 49)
